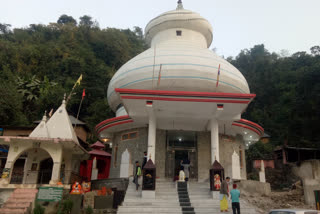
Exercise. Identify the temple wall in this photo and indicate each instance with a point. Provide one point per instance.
(135, 147)
(227, 148)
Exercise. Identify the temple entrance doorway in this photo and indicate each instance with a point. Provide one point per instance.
(45, 171)
(181, 146)
(18, 170)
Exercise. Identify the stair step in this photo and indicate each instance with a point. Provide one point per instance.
(19, 200)
(12, 211)
(171, 197)
(187, 209)
(23, 195)
(17, 205)
(25, 191)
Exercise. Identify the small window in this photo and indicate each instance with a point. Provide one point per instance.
(179, 33)
(133, 135)
(129, 136)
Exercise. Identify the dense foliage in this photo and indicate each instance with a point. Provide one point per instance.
(40, 63)
(288, 94)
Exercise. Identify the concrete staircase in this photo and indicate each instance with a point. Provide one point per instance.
(172, 199)
(19, 202)
(202, 201)
(184, 198)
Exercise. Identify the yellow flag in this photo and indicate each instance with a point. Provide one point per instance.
(78, 81)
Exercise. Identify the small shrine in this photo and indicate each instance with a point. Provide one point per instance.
(49, 154)
(216, 176)
(98, 165)
(149, 176)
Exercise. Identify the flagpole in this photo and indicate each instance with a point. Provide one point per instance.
(75, 125)
(77, 83)
(83, 94)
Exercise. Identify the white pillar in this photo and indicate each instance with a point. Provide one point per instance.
(67, 168)
(13, 155)
(214, 140)
(236, 174)
(57, 159)
(152, 137)
(125, 164)
(94, 172)
(262, 174)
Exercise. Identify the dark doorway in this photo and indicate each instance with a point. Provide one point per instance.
(45, 171)
(180, 155)
(17, 173)
(181, 145)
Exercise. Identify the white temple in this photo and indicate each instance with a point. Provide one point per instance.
(172, 101)
(52, 154)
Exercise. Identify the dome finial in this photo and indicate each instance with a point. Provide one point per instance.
(180, 6)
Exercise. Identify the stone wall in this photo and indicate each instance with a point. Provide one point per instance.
(227, 148)
(136, 147)
(161, 148)
(254, 188)
(4, 195)
(309, 169)
(309, 172)
(309, 186)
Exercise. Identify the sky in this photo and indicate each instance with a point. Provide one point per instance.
(292, 25)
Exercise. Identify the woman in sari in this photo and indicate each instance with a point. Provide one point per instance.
(224, 194)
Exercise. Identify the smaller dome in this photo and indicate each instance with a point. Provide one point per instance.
(179, 18)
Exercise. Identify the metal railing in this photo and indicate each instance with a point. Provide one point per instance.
(16, 177)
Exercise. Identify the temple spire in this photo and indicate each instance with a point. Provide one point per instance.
(180, 6)
(64, 99)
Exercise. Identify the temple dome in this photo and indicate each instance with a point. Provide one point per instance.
(177, 62)
(179, 18)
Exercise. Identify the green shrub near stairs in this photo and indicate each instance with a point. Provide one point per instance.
(66, 207)
(89, 210)
(38, 209)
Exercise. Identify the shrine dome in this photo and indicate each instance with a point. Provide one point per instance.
(178, 60)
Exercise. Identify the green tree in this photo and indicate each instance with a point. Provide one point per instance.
(65, 19)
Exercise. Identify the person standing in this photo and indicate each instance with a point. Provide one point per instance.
(224, 194)
(185, 165)
(235, 195)
(145, 158)
(137, 175)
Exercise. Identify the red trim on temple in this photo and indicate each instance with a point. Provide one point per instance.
(184, 93)
(247, 127)
(184, 99)
(251, 123)
(114, 124)
(112, 119)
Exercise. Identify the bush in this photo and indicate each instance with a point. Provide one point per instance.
(66, 207)
(89, 210)
(38, 209)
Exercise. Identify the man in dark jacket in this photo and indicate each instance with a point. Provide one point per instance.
(224, 194)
